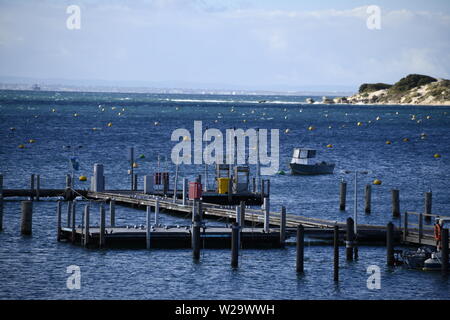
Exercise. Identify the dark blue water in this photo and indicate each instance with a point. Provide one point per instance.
(36, 267)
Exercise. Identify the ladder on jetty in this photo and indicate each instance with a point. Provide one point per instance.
(420, 232)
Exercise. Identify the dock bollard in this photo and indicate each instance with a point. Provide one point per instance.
(283, 226)
(342, 195)
(112, 213)
(395, 202)
(336, 253)
(149, 225)
(27, 218)
(300, 247)
(101, 239)
(390, 243)
(196, 237)
(444, 251)
(74, 207)
(86, 226)
(234, 245)
(368, 199)
(350, 237)
(58, 221)
(428, 198)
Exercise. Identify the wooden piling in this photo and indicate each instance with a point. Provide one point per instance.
(242, 212)
(336, 253)
(101, 240)
(131, 159)
(38, 186)
(368, 199)
(149, 226)
(27, 217)
(390, 243)
(283, 227)
(428, 198)
(135, 182)
(1, 202)
(444, 251)
(73, 220)
(112, 213)
(230, 191)
(395, 202)
(156, 212)
(165, 184)
(196, 237)
(69, 213)
(350, 237)
(148, 184)
(32, 186)
(86, 226)
(342, 195)
(58, 221)
(266, 215)
(254, 184)
(68, 181)
(234, 245)
(300, 247)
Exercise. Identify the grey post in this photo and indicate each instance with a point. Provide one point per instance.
(73, 220)
(350, 238)
(242, 211)
(342, 195)
(390, 243)
(283, 227)
(196, 235)
(149, 226)
(254, 184)
(1, 202)
(27, 218)
(230, 190)
(68, 181)
(405, 226)
(266, 215)
(368, 198)
(69, 213)
(234, 245)
(336, 252)
(157, 212)
(135, 183)
(112, 213)
(395, 202)
(185, 190)
(131, 159)
(38, 186)
(32, 187)
(428, 197)
(101, 240)
(238, 221)
(86, 225)
(148, 184)
(99, 179)
(444, 251)
(300, 247)
(58, 221)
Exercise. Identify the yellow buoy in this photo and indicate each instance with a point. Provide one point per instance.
(109, 124)
(437, 155)
(119, 114)
(53, 110)
(113, 108)
(377, 182)
(329, 146)
(428, 117)
(405, 139)
(388, 142)
(31, 141)
(311, 128)
(329, 127)
(135, 165)
(156, 123)
(287, 131)
(21, 146)
(75, 114)
(82, 178)
(377, 118)
(359, 124)
(186, 138)
(94, 129)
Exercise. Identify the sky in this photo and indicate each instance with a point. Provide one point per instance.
(244, 44)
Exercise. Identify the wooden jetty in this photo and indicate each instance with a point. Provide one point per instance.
(421, 231)
(211, 237)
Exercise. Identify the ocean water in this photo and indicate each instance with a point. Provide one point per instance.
(35, 267)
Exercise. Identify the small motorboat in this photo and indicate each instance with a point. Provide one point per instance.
(300, 163)
(434, 263)
(416, 259)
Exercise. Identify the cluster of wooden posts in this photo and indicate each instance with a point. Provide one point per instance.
(395, 195)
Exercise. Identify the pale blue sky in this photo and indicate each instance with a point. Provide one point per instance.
(254, 44)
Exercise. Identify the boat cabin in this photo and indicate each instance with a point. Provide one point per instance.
(302, 155)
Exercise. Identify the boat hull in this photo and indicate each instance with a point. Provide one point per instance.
(314, 169)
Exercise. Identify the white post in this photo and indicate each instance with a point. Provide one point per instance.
(356, 203)
(185, 190)
(266, 214)
(99, 184)
(148, 184)
(147, 234)
(157, 212)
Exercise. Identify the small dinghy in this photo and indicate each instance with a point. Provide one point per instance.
(416, 259)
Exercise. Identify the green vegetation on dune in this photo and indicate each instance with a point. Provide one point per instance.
(370, 87)
(411, 81)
